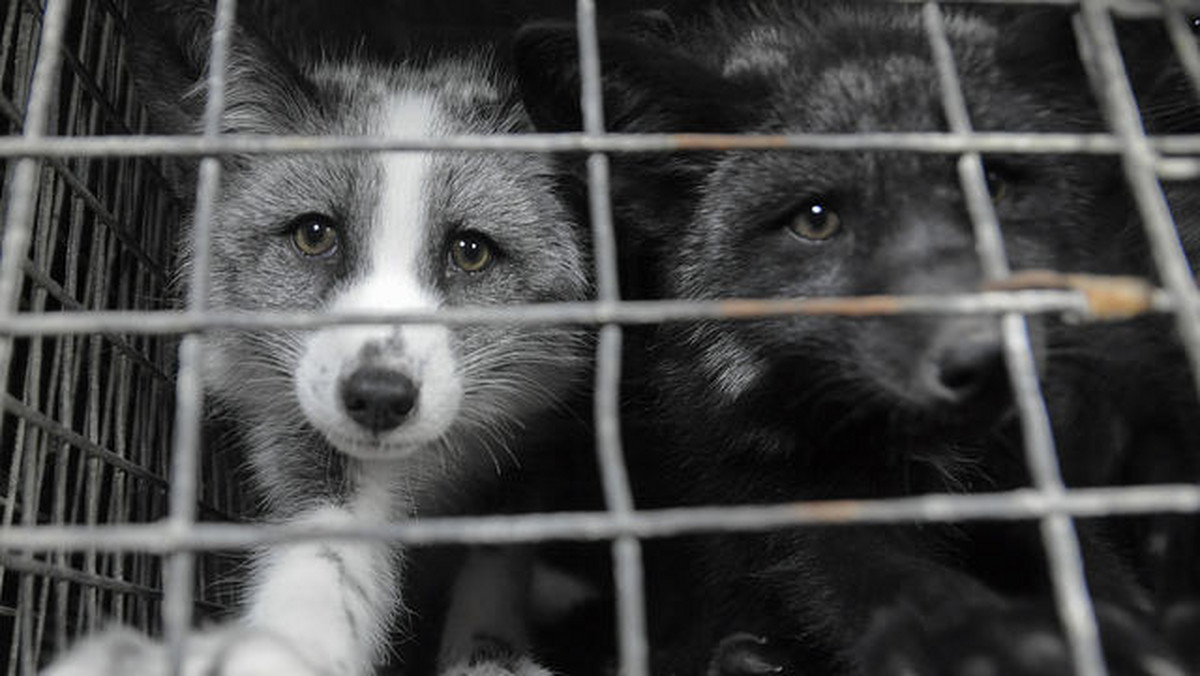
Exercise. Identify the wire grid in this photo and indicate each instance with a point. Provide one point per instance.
(178, 536)
(87, 417)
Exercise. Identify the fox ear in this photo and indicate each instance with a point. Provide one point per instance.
(171, 39)
(648, 86)
(167, 62)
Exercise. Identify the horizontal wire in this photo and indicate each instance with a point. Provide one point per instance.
(253, 144)
(94, 581)
(1074, 304)
(1019, 505)
(1080, 301)
(93, 450)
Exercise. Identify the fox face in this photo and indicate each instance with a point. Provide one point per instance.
(383, 232)
(765, 223)
(395, 232)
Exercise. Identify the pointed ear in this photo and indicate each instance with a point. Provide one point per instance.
(166, 62)
(648, 86)
(264, 92)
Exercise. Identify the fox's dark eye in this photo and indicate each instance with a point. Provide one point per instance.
(472, 252)
(815, 222)
(314, 235)
(998, 185)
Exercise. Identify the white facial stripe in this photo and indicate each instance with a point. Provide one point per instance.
(391, 279)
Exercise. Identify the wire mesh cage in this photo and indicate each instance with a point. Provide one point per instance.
(101, 421)
(88, 418)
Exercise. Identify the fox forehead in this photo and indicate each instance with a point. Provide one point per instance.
(396, 210)
(393, 268)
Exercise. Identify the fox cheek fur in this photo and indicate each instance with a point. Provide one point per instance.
(930, 367)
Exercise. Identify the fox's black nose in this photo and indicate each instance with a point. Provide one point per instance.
(378, 399)
(970, 368)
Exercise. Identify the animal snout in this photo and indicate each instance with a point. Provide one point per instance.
(969, 369)
(378, 399)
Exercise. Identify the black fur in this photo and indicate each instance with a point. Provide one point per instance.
(804, 408)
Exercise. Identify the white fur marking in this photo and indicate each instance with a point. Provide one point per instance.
(332, 600)
(391, 281)
(759, 51)
(731, 367)
(400, 226)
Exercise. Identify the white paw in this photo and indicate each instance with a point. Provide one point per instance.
(228, 652)
(510, 666)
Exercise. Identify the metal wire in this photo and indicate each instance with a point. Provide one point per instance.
(66, 345)
(189, 401)
(18, 229)
(1078, 296)
(1099, 49)
(915, 142)
(626, 550)
(1058, 533)
(18, 221)
(1019, 505)
(87, 417)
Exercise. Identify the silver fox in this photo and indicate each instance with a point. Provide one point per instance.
(360, 424)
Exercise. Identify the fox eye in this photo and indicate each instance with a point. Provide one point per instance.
(815, 222)
(998, 185)
(472, 252)
(314, 235)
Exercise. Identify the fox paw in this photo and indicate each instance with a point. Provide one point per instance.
(494, 657)
(224, 653)
(1020, 640)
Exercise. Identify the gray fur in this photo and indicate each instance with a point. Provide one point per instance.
(506, 376)
(510, 197)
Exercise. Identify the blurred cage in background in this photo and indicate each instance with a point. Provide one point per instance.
(87, 419)
(87, 432)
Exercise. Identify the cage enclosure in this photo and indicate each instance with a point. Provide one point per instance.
(100, 412)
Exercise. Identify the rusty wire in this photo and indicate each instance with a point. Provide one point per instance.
(179, 536)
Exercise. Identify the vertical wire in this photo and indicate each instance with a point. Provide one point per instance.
(181, 565)
(18, 227)
(18, 220)
(1184, 41)
(627, 550)
(1058, 531)
(1102, 55)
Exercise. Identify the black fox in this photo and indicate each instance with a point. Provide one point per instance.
(819, 407)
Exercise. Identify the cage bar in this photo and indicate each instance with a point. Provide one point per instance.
(632, 641)
(85, 492)
(1059, 537)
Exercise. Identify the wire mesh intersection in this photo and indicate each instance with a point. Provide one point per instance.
(1147, 160)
